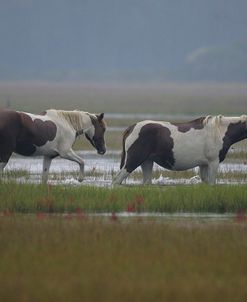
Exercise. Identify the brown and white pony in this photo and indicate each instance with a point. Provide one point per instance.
(203, 142)
(49, 134)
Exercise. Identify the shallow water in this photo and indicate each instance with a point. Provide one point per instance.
(160, 217)
(183, 219)
(107, 165)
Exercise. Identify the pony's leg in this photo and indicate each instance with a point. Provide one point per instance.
(46, 166)
(147, 168)
(2, 166)
(71, 155)
(208, 173)
(121, 175)
(204, 173)
(212, 172)
(132, 162)
(4, 158)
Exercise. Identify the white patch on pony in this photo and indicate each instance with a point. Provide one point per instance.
(197, 147)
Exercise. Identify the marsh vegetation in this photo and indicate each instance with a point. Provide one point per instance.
(90, 259)
(54, 247)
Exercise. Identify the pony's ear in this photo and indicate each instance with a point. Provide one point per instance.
(100, 116)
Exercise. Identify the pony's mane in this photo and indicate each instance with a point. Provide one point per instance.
(77, 119)
(202, 119)
(212, 119)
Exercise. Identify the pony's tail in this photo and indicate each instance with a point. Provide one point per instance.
(126, 133)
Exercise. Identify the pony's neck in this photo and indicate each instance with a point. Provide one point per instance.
(80, 121)
(234, 129)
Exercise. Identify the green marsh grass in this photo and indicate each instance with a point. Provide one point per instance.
(15, 174)
(30, 198)
(59, 259)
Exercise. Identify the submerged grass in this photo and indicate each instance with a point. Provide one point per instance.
(30, 198)
(56, 259)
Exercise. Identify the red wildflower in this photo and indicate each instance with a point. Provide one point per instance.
(136, 204)
(7, 212)
(139, 199)
(40, 216)
(241, 215)
(80, 213)
(131, 207)
(114, 217)
(68, 216)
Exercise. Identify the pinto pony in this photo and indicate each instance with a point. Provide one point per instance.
(203, 142)
(49, 134)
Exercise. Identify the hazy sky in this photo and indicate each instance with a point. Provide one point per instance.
(80, 38)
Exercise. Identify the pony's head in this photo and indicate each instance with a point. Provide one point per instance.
(95, 134)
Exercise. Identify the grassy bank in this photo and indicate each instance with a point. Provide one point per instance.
(29, 198)
(57, 259)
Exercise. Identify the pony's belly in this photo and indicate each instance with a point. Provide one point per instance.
(38, 152)
(188, 163)
(44, 150)
(180, 162)
(25, 148)
(185, 166)
(188, 155)
(29, 149)
(180, 166)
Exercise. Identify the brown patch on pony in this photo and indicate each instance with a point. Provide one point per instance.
(10, 125)
(33, 133)
(195, 124)
(38, 131)
(154, 143)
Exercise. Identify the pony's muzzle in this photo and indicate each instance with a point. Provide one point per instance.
(101, 152)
